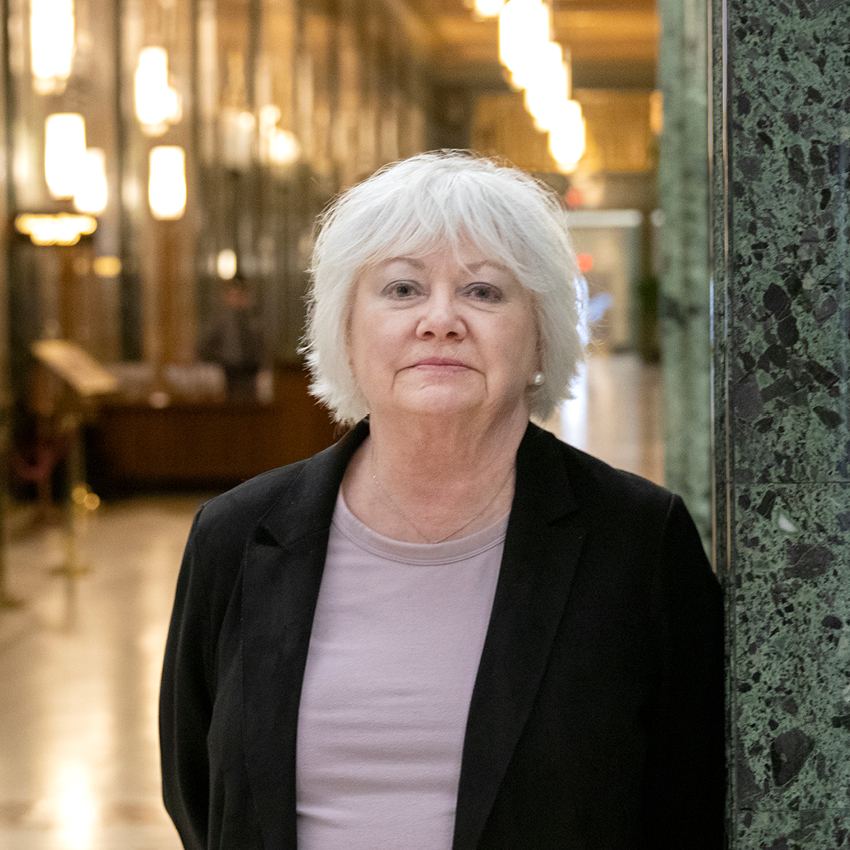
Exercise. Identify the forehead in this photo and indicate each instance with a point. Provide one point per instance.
(464, 255)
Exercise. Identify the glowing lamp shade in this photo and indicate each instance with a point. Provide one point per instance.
(51, 43)
(524, 30)
(157, 103)
(488, 8)
(167, 183)
(64, 152)
(226, 264)
(567, 137)
(277, 147)
(91, 193)
(547, 89)
(284, 148)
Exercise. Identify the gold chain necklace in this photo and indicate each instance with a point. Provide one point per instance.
(393, 506)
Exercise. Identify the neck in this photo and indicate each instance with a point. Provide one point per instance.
(440, 449)
(426, 481)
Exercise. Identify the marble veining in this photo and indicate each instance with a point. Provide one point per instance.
(781, 198)
(789, 122)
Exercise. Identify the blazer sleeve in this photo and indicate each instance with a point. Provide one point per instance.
(685, 773)
(186, 702)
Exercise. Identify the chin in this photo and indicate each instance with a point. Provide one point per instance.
(439, 402)
(457, 404)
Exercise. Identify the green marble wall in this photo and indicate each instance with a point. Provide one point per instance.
(685, 301)
(781, 129)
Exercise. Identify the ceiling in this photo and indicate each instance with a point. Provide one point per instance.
(613, 43)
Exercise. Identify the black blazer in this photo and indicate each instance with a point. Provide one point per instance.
(597, 715)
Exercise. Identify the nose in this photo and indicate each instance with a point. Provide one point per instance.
(441, 317)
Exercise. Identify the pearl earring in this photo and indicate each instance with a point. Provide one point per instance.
(538, 379)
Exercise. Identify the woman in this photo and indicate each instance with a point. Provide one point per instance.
(449, 630)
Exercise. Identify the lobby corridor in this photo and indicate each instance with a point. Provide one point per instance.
(80, 659)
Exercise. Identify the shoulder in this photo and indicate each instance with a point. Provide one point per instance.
(304, 491)
(593, 486)
(627, 520)
(245, 505)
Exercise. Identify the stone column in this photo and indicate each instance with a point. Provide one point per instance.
(685, 302)
(781, 129)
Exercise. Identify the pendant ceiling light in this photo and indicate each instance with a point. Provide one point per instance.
(90, 195)
(167, 182)
(64, 152)
(51, 44)
(542, 68)
(487, 8)
(157, 103)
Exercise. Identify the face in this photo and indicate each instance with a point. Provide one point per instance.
(443, 335)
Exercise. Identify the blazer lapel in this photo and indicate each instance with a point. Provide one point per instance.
(281, 577)
(542, 546)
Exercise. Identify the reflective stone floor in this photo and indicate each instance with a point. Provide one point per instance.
(80, 658)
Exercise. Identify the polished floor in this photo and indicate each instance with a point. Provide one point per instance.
(80, 656)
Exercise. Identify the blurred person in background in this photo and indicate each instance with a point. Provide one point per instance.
(235, 341)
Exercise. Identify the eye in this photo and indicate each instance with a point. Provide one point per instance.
(485, 292)
(401, 289)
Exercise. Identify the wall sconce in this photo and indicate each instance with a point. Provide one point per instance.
(157, 103)
(51, 44)
(91, 193)
(64, 152)
(277, 147)
(167, 182)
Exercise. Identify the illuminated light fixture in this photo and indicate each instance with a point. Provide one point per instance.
(167, 182)
(157, 103)
(269, 116)
(567, 137)
(487, 8)
(51, 44)
(277, 147)
(524, 29)
(61, 229)
(226, 264)
(91, 192)
(549, 87)
(538, 65)
(284, 149)
(106, 266)
(64, 152)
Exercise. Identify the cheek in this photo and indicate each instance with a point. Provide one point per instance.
(370, 350)
(356, 354)
(526, 347)
(356, 334)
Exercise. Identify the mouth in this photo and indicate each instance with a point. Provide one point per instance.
(439, 363)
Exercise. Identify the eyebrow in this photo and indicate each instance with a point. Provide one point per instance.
(412, 260)
(473, 267)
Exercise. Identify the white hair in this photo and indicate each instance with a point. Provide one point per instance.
(434, 201)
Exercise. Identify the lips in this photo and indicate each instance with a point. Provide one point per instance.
(440, 361)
